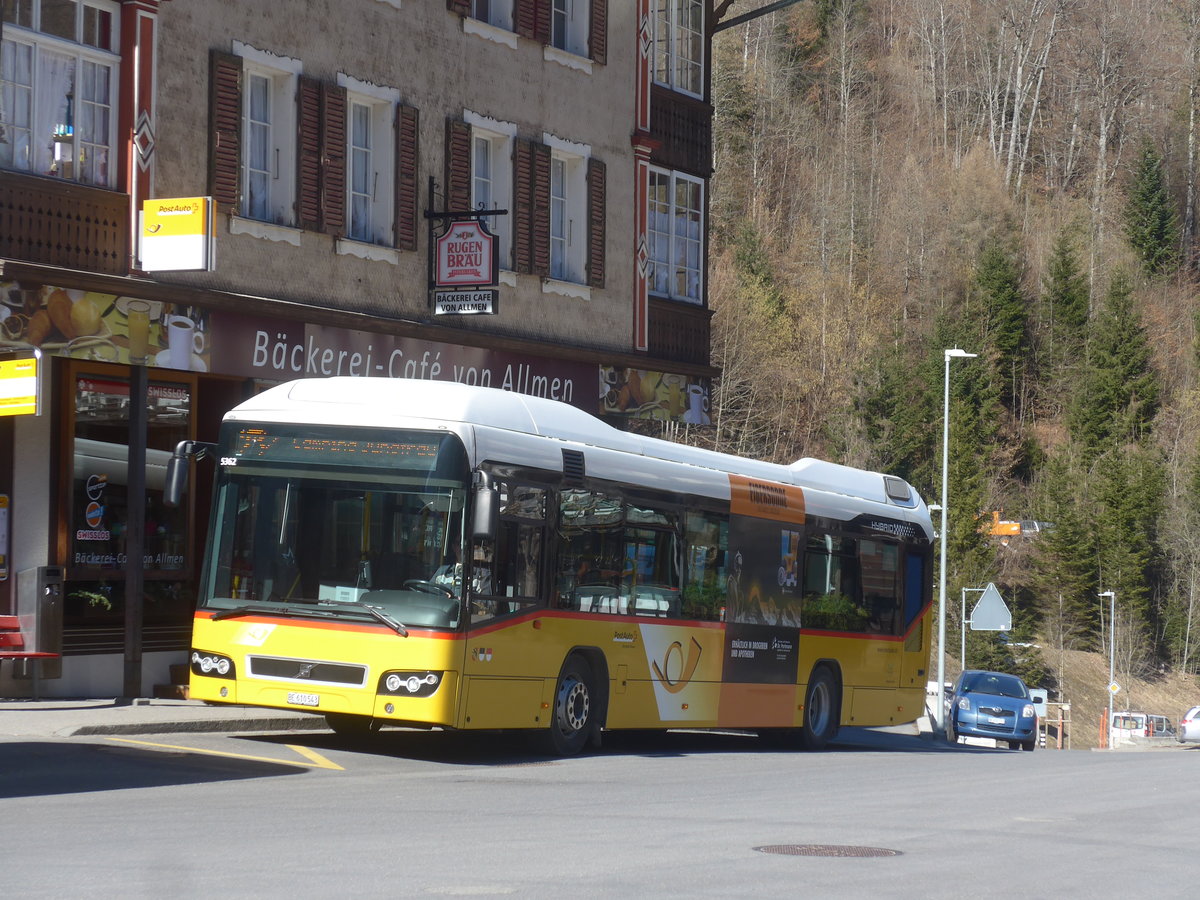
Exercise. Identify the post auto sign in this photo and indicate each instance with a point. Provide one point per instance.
(465, 256)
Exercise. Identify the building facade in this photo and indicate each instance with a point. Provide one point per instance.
(333, 148)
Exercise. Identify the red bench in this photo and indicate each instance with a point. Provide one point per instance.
(12, 641)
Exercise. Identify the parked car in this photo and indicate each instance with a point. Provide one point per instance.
(991, 705)
(1189, 727)
(1135, 727)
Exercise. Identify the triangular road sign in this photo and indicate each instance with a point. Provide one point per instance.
(991, 613)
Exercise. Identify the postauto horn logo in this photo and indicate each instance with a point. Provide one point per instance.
(675, 671)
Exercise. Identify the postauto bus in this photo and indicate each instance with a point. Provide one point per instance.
(392, 552)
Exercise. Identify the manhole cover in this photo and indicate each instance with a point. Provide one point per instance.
(825, 850)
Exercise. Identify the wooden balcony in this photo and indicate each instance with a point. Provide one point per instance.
(679, 332)
(61, 223)
(683, 127)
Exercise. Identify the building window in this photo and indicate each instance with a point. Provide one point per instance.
(269, 126)
(370, 148)
(494, 12)
(361, 171)
(676, 228)
(491, 185)
(569, 25)
(58, 89)
(679, 45)
(568, 216)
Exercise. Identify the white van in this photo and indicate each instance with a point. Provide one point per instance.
(1127, 728)
(1133, 727)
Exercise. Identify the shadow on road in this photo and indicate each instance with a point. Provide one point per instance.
(42, 768)
(518, 748)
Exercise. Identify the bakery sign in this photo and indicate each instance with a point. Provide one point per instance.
(465, 271)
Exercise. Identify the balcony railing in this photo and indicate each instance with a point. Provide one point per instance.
(679, 332)
(683, 127)
(60, 223)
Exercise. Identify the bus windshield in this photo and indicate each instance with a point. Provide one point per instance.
(309, 522)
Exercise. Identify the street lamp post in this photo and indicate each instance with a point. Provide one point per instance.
(1112, 649)
(947, 355)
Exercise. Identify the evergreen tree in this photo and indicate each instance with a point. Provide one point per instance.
(1065, 575)
(1005, 310)
(1151, 223)
(1129, 494)
(1117, 395)
(1065, 297)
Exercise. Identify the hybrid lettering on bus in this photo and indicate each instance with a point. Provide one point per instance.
(431, 554)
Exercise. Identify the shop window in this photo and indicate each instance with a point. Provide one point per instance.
(100, 497)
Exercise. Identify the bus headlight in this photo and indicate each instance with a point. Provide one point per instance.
(410, 684)
(212, 665)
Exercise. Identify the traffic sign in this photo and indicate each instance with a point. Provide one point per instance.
(991, 613)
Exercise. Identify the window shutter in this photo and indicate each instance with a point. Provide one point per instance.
(541, 210)
(308, 154)
(225, 124)
(598, 32)
(596, 174)
(458, 166)
(333, 159)
(459, 7)
(532, 20)
(407, 166)
(522, 213)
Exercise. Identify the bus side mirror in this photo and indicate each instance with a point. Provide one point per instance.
(485, 516)
(176, 480)
(177, 469)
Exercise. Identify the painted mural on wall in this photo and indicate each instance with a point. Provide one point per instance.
(103, 327)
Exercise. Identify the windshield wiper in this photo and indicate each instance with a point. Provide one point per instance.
(329, 608)
(257, 609)
(387, 620)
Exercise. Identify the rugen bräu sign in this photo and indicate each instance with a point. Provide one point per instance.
(465, 256)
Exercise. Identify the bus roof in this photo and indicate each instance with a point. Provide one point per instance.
(381, 402)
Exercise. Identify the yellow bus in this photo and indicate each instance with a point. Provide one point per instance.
(437, 555)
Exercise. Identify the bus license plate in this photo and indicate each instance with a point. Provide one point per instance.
(298, 699)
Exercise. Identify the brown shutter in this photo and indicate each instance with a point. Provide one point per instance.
(459, 7)
(458, 166)
(531, 19)
(598, 32)
(522, 212)
(333, 159)
(541, 210)
(308, 154)
(407, 167)
(596, 175)
(225, 124)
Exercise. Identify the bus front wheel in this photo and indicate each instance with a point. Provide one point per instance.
(821, 712)
(573, 716)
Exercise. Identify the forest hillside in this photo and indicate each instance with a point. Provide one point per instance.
(1016, 178)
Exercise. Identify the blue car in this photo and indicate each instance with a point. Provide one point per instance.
(991, 705)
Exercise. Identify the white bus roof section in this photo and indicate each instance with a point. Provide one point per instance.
(493, 413)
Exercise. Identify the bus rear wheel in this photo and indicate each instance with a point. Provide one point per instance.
(351, 726)
(573, 716)
(821, 712)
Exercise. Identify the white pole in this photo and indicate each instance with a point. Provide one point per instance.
(941, 666)
(1112, 648)
(947, 355)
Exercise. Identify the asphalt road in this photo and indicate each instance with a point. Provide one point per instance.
(309, 814)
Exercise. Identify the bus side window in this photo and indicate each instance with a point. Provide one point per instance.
(706, 545)
(508, 576)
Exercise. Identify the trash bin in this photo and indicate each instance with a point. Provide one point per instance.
(40, 609)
